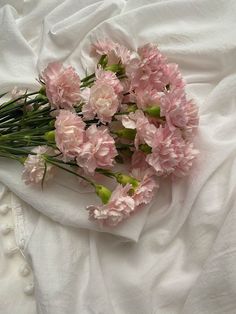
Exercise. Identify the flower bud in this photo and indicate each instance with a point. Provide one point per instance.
(125, 179)
(153, 111)
(103, 192)
(50, 136)
(42, 91)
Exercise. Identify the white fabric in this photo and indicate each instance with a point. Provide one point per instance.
(13, 300)
(184, 257)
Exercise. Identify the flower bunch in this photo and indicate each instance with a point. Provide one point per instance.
(132, 110)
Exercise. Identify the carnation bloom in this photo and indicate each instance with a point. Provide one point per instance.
(144, 193)
(191, 112)
(145, 130)
(62, 85)
(35, 166)
(103, 103)
(170, 153)
(98, 150)
(179, 112)
(174, 76)
(108, 78)
(119, 207)
(114, 51)
(150, 70)
(147, 97)
(69, 133)
(172, 108)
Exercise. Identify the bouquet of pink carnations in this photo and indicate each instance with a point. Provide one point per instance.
(133, 110)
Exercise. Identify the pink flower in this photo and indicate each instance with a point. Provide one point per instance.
(103, 103)
(108, 78)
(145, 130)
(69, 133)
(150, 70)
(114, 51)
(191, 113)
(174, 76)
(62, 85)
(98, 150)
(119, 207)
(147, 97)
(179, 112)
(103, 47)
(186, 162)
(172, 108)
(144, 193)
(35, 166)
(170, 153)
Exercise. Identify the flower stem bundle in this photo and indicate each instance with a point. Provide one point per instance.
(132, 110)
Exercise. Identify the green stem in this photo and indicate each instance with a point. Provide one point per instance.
(16, 151)
(17, 99)
(49, 160)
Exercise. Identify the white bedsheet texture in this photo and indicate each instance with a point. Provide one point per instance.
(179, 255)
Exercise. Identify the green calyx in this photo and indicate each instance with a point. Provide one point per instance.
(103, 192)
(42, 91)
(125, 179)
(153, 111)
(116, 68)
(50, 136)
(145, 148)
(126, 133)
(103, 61)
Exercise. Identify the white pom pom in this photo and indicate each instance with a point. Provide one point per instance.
(5, 229)
(24, 270)
(29, 289)
(10, 251)
(4, 209)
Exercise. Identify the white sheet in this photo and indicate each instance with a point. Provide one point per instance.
(183, 261)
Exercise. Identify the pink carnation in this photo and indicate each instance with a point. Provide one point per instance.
(108, 78)
(191, 113)
(62, 85)
(179, 112)
(170, 154)
(144, 193)
(69, 133)
(186, 162)
(114, 51)
(172, 108)
(145, 130)
(147, 97)
(103, 103)
(150, 70)
(98, 150)
(174, 76)
(35, 166)
(119, 207)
